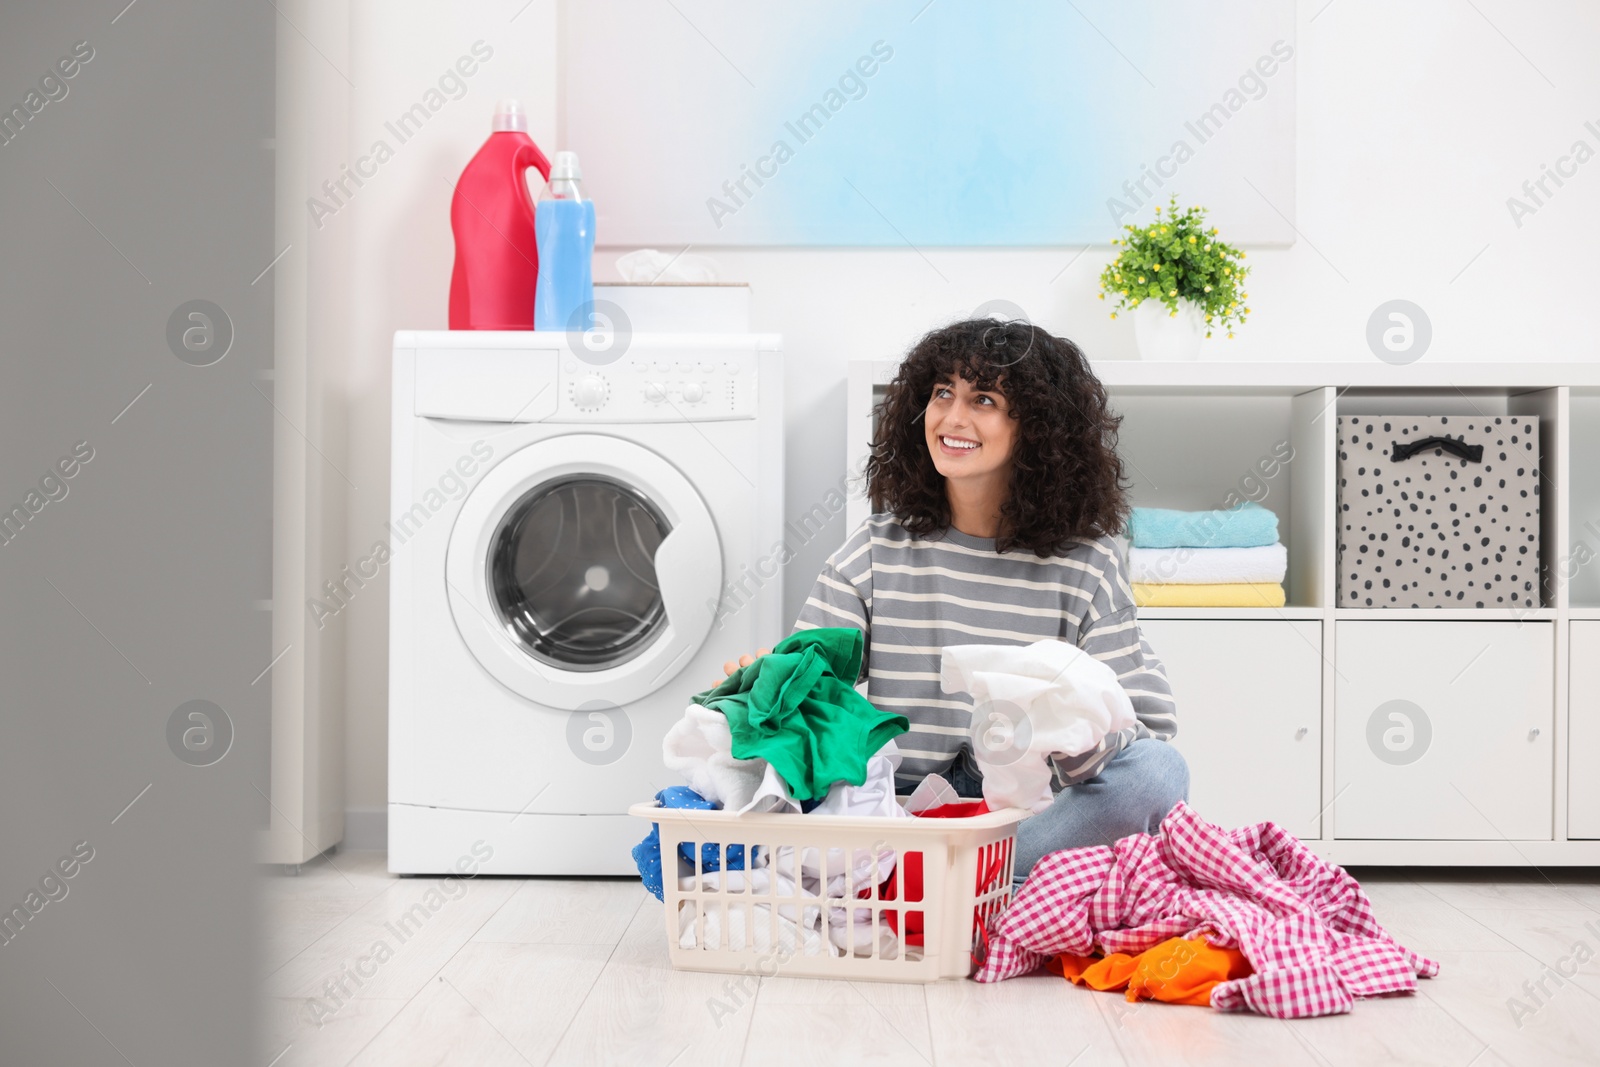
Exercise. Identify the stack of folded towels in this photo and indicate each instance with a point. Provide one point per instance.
(1226, 558)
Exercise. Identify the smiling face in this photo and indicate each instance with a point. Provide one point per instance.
(969, 431)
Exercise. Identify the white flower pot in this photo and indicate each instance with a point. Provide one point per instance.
(1165, 336)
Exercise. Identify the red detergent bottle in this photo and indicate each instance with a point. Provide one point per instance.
(491, 215)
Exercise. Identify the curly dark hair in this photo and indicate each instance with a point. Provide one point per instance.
(1066, 476)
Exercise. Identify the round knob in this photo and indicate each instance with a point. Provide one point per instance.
(1533, 733)
(693, 392)
(1299, 735)
(654, 392)
(590, 392)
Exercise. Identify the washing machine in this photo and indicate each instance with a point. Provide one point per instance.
(582, 532)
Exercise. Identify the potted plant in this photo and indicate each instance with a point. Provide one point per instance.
(1180, 281)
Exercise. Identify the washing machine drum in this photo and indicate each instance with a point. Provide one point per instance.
(584, 568)
(573, 574)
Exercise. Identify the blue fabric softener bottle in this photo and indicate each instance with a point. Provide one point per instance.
(563, 223)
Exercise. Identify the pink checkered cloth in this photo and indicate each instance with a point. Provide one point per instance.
(1302, 922)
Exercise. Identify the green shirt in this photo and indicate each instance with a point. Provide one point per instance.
(797, 708)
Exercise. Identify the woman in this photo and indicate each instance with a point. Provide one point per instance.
(996, 490)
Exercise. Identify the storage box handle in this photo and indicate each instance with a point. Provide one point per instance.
(1460, 447)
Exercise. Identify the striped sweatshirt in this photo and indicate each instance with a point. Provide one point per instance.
(913, 596)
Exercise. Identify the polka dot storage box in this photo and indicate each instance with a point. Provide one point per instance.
(1438, 511)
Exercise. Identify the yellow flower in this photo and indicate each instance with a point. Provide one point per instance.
(1172, 292)
(1158, 210)
(1247, 311)
(1123, 292)
(1163, 229)
(1141, 279)
(1213, 231)
(1158, 266)
(1227, 270)
(1113, 314)
(1102, 296)
(1230, 333)
(1241, 255)
(1172, 314)
(1192, 239)
(1207, 289)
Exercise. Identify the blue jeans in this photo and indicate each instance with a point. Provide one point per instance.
(1130, 796)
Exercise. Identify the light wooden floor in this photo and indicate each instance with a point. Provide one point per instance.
(564, 971)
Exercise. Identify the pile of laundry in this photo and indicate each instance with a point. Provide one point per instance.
(1242, 920)
(790, 734)
(811, 889)
(1224, 558)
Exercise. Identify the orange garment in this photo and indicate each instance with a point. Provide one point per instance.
(1176, 971)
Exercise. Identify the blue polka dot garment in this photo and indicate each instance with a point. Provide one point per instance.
(647, 853)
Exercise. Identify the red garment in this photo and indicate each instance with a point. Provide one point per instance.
(1303, 923)
(911, 863)
(955, 810)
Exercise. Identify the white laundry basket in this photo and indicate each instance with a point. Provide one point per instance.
(834, 920)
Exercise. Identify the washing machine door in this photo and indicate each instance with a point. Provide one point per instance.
(583, 568)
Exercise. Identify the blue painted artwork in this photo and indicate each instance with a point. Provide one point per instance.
(952, 123)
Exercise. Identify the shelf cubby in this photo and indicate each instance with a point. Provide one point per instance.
(1478, 402)
(1580, 566)
(1216, 449)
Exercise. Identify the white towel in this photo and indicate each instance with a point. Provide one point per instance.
(699, 746)
(875, 796)
(1189, 566)
(849, 929)
(932, 792)
(771, 795)
(798, 928)
(1029, 702)
(723, 926)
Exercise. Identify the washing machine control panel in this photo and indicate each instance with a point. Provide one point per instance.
(660, 386)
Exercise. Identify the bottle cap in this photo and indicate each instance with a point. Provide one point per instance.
(566, 166)
(508, 115)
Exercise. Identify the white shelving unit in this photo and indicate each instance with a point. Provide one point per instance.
(1282, 711)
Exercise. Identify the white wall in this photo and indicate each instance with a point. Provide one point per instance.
(1416, 122)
